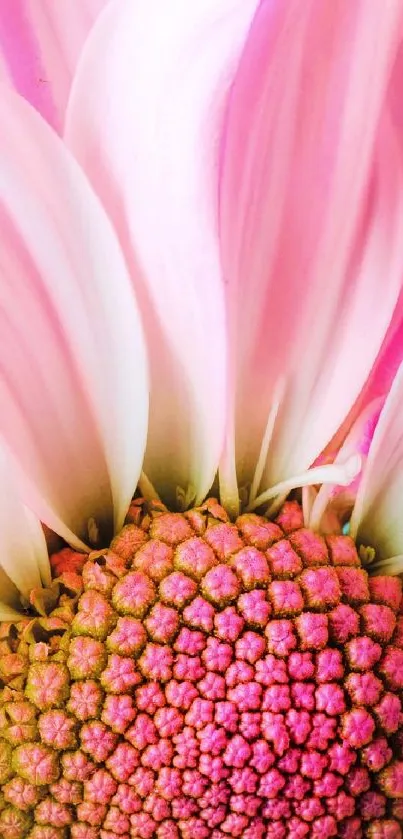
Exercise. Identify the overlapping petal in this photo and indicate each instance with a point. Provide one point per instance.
(40, 43)
(148, 135)
(73, 381)
(311, 218)
(24, 563)
(333, 504)
(377, 516)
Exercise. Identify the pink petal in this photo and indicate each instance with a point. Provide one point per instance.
(391, 351)
(23, 555)
(143, 120)
(310, 212)
(40, 43)
(73, 385)
(333, 504)
(389, 358)
(377, 516)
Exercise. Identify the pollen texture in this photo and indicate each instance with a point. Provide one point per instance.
(202, 678)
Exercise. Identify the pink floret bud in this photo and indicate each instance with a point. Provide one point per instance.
(199, 614)
(35, 763)
(286, 598)
(162, 623)
(48, 684)
(171, 528)
(386, 590)
(320, 587)
(228, 624)
(251, 566)
(134, 594)
(290, 517)
(155, 558)
(254, 607)
(95, 616)
(391, 667)
(194, 557)
(128, 637)
(312, 630)
(358, 727)
(378, 621)
(221, 585)
(123, 761)
(57, 729)
(258, 532)
(284, 562)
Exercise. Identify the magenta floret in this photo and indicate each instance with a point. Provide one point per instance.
(128, 637)
(286, 598)
(254, 607)
(221, 585)
(162, 623)
(134, 594)
(281, 637)
(284, 561)
(312, 630)
(251, 566)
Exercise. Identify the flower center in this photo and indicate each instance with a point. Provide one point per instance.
(205, 679)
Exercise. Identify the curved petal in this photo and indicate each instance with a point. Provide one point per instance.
(389, 359)
(143, 120)
(377, 516)
(310, 218)
(334, 502)
(391, 352)
(73, 384)
(40, 43)
(23, 553)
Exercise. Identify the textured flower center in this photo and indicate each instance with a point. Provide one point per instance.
(206, 679)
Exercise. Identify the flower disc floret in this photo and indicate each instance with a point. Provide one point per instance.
(208, 679)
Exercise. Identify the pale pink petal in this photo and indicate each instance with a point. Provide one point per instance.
(144, 121)
(73, 384)
(389, 359)
(311, 219)
(23, 552)
(40, 43)
(377, 516)
(391, 352)
(334, 503)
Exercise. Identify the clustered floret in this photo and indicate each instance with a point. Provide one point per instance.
(206, 679)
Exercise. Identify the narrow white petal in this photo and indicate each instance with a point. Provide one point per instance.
(144, 121)
(333, 473)
(377, 518)
(358, 441)
(73, 379)
(23, 552)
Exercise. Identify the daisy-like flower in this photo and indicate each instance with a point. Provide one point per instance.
(201, 270)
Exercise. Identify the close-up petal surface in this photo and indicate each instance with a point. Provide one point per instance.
(73, 379)
(40, 43)
(24, 563)
(377, 515)
(311, 215)
(148, 137)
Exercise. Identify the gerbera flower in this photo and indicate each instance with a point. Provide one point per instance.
(200, 299)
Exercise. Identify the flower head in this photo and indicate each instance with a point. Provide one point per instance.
(260, 702)
(200, 286)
